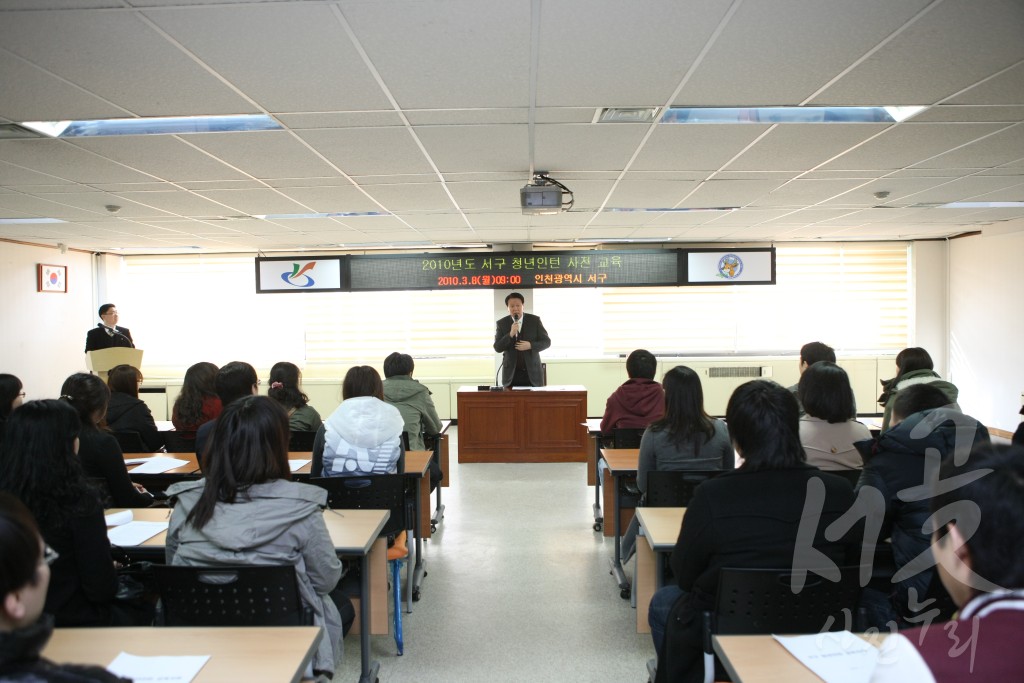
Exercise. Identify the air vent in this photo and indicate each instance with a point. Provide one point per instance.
(626, 115)
(753, 371)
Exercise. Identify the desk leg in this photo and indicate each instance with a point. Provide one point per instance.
(617, 570)
(420, 571)
(598, 518)
(441, 454)
(369, 669)
(645, 582)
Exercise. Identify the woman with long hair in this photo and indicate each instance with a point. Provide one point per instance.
(246, 511)
(98, 451)
(686, 437)
(39, 466)
(364, 434)
(125, 411)
(285, 381)
(198, 402)
(829, 429)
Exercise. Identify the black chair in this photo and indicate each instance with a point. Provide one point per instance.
(763, 601)
(674, 489)
(852, 476)
(230, 596)
(378, 492)
(174, 442)
(301, 441)
(627, 437)
(131, 442)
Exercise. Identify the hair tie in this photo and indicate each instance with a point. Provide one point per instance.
(276, 385)
(66, 397)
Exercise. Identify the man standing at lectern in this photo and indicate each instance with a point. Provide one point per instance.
(107, 334)
(520, 338)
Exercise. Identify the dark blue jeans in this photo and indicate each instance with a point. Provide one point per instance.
(657, 615)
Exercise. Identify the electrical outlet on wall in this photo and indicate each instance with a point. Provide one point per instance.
(766, 371)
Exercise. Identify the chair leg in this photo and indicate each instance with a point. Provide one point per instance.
(709, 667)
(397, 591)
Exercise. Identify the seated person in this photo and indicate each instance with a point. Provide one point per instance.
(98, 451)
(686, 438)
(198, 402)
(639, 400)
(24, 629)
(976, 543)
(922, 430)
(811, 353)
(363, 435)
(39, 465)
(285, 379)
(234, 381)
(913, 366)
(1018, 436)
(749, 517)
(245, 511)
(411, 398)
(126, 412)
(829, 427)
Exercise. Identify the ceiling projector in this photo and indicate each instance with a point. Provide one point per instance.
(543, 196)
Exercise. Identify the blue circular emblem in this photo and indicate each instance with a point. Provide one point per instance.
(730, 266)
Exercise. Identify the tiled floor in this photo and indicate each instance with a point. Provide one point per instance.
(518, 587)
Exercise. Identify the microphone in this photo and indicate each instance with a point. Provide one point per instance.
(515, 319)
(498, 387)
(125, 337)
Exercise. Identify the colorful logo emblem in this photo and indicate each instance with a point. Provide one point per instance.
(297, 277)
(730, 266)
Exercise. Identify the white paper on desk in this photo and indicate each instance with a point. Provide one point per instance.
(137, 461)
(135, 533)
(296, 465)
(158, 669)
(159, 465)
(119, 518)
(839, 657)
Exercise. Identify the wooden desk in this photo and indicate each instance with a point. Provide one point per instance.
(541, 424)
(761, 659)
(191, 468)
(622, 462)
(594, 435)
(354, 533)
(661, 531)
(249, 653)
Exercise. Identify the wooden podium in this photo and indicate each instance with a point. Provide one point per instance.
(100, 361)
(542, 424)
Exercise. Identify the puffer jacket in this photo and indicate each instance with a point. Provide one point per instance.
(417, 408)
(362, 436)
(125, 413)
(897, 462)
(276, 523)
(892, 387)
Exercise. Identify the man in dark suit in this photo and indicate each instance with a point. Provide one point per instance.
(107, 334)
(520, 338)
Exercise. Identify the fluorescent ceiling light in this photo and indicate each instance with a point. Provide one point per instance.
(626, 115)
(624, 240)
(770, 115)
(298, 216)
(17, 221)
(670, 210)
(161, 125)
(982, 205)
(467, 245)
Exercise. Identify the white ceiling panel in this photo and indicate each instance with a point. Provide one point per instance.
(911, 143)
(464, 117)
(289, 57)
(152, 77)
(698, 147)
(40, 206)
(179, 202)
(346, 198)
(32, 94)
(650, 194)
(435, 222)
(764, 67)
(98, 201)
(802, 147)
(801, 193)
(256, 202)
(267, 154)
(741, 192)
(973, 114)
(344, 119)
(62, 160)
(422, 196)
(487, 195)
(1005, 88)
(428, 52)
(477, 148)
(161, 156)
(368, 151)
(1003, 147)
(970, 189)
(567, 146)
(25, 179)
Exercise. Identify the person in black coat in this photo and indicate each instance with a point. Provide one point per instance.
(748, 518)
(520, 338)
(98, 451)
(126, 412)
(107, 334)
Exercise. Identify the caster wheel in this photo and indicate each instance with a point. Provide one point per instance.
(625, 593)
(415, 596)
(433, 528)
(598, 526)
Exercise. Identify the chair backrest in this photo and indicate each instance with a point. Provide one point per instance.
(130, 442)
(676, 488)
(301, 441)
(758, 601)
(405, 441)
(376, 492)
(627, 438)
(230, 596)
(852, 476)
(174, 442)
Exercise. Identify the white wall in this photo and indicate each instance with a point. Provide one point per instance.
(931, 302)
(43, 338)
(986, 284)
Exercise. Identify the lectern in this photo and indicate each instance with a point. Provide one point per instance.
(102, 360)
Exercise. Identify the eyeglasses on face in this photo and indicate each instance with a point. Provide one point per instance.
(49, 554)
